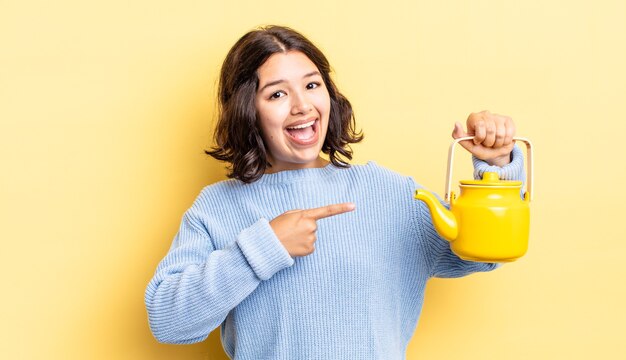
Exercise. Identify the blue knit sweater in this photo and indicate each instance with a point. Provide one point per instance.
(357, 296)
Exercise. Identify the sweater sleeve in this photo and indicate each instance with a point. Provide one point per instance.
(512, 171)
(443, 262)
(195, 285)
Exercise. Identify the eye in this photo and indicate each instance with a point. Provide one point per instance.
(277, 95)
(312, 85)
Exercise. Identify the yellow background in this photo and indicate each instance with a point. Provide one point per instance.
(105, 108)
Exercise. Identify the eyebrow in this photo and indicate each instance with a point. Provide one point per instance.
(275, 82)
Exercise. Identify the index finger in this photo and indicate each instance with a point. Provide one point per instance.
(329, 210)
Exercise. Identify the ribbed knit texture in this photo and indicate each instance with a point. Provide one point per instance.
(357, 296)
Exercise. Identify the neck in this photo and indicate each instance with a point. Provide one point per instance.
(276, 167)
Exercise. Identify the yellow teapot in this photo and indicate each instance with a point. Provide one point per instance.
(490, 221)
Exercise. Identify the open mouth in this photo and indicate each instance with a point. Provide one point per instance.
(304, 133)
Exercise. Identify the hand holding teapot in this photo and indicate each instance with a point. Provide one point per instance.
(493, 137)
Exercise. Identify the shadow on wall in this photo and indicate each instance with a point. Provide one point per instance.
(122, 319)
(210, 349)
(215, 347)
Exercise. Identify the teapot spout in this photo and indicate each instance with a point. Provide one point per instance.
(443, 219)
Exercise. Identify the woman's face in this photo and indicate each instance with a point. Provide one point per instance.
(293, 105)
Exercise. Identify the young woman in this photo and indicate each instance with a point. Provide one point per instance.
(298, 257)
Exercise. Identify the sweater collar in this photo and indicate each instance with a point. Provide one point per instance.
(290, 176)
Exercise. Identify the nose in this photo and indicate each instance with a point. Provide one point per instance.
(300, 104)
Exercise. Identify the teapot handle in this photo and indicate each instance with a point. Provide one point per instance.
(529, 162)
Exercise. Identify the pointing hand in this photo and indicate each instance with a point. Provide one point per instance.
(296, 228)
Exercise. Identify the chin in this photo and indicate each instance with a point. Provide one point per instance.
(299, 161)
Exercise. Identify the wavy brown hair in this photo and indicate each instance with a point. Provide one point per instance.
(238, 138)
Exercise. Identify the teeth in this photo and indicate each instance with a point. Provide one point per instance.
(302, 126)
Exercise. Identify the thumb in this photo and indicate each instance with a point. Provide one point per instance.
(458, 131)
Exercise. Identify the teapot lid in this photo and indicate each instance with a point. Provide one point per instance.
(491, 179)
